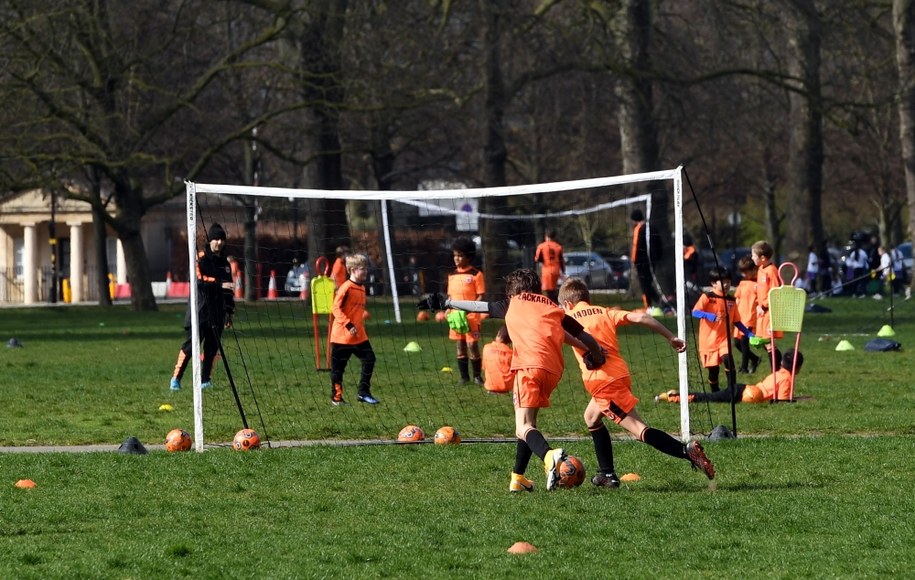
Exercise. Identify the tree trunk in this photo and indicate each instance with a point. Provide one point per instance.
(638, 132)
(904, 28)
(805, 165)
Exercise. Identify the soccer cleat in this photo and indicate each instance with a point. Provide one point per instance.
(368, 399)
(338, 402)
(175, 384)
(206, 385)
(520, 483)
(478, 380)
(551, 463)
(699, 460)
(606, 480)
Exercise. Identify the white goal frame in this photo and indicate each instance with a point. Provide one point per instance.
(673, 175)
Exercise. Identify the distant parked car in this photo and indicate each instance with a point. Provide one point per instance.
(298, 278)
(906, 250)
(596, 271)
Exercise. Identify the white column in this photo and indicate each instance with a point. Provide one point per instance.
(76, 261)
(30, 264)
(122, 264)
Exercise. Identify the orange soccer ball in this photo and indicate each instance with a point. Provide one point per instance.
(246, 440)
(571, 472)
(422, 316)
(447, 436)
(411, 434)
(177, 440)
(440, 316)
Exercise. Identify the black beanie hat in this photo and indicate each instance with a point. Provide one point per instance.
(637, 215)
(216, 233)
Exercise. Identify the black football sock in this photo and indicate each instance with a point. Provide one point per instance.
(477, 366)
(664, 443)
(522, 457)
(603, 448)
(537, 443)
(463, 367)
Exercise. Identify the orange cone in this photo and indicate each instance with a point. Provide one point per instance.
(272, 294)
(303, 294)
(168, 282)
(239, 287)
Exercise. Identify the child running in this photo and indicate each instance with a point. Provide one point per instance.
(538, 328)
(611, 388)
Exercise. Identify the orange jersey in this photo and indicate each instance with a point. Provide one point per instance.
(349, 312)
(549, 253)
(781, 380)
(338, 272)
(745, 295)
(766, 279)
(713, 335)
(466, 284)
(497, 367)
(535, 324)
(601, 323)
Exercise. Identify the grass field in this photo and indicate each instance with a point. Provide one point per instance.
(820, 488)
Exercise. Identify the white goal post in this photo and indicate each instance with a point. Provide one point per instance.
(674, 178)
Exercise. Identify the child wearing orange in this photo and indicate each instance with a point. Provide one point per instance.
(766, 278)
(745, 296)
(777, 384)
(538, 328)
(338, 271)
(497, 363)
(718, 316)
(610, 385)
(466, 282)
(347, 333)
(553, 264)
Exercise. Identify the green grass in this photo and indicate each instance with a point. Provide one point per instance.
(820, 488)
(781, 507)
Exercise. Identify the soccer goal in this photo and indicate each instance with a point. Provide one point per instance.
(281, 239)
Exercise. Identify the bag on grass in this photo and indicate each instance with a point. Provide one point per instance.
(882, 345)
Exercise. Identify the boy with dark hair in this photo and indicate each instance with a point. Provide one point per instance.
(610, 385)
(745, 296)
(497, 363)
(552, 264)
(466, 282)
(347, 333)
(718, 316)
(642, 257)
(538, 328)
(777, 383)
(215, 307)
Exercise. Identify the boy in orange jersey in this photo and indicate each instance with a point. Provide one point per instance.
(497, 363)
(766, 279)
(347, 335)
(777, 383)
(552, 264)
(611, 388)
(718, 316)
(466, 282)
(338, 271)
(745, 296)
(538, 328)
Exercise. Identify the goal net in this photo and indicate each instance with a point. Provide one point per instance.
(282, 243)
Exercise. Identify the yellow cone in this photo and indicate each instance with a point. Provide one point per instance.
(656, 312)
(166, 407)
(843, 346)
(446, 369)
(412, 347)
(886, 331)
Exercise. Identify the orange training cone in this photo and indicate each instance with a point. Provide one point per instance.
(271, 288)
(239, 287)
(303, 294)
(168, 282)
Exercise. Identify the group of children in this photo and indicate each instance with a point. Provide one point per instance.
(527, 359)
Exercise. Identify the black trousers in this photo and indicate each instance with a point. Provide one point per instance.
(339, 357)
(210, 334)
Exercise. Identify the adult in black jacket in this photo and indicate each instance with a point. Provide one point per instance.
(215, 306)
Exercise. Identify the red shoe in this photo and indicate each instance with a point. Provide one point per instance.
(699, 460)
